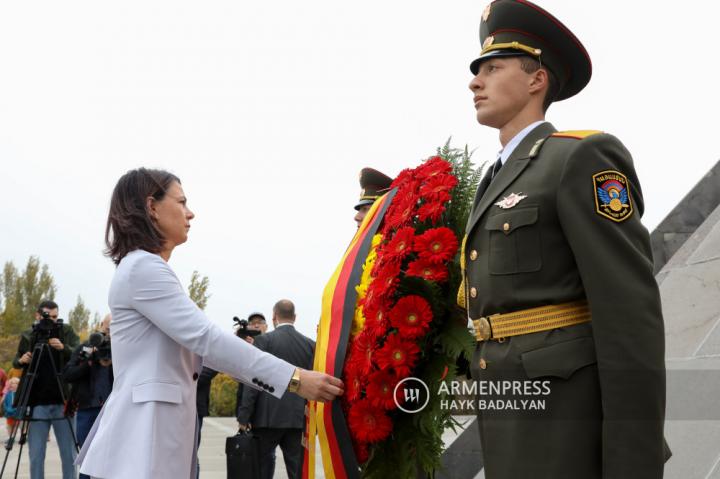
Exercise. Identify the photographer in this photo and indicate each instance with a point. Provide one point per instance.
(255, 322)
(91, 375)
(55, 340)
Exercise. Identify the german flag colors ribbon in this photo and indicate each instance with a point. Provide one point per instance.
(327, 421)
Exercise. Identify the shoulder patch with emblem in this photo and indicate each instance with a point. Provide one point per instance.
(577, 134)
(612, 195)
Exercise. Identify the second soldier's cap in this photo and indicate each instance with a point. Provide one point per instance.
(518, 27)
(373, 185)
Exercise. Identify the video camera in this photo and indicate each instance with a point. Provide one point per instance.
(242, 329)
(98, 349)
(44, 329)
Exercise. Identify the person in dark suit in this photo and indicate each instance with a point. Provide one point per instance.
(279, 421)
(203, 395)
(558, 272)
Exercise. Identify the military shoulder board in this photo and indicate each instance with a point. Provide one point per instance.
(577, 134)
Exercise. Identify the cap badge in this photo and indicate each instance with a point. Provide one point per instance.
(486, 12)
(510, 201)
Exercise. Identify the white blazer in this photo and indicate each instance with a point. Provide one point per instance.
(147, 428)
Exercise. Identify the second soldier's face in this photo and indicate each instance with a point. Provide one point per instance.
(362, 212)
(500, 91)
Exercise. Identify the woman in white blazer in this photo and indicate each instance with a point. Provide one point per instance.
(160, 339)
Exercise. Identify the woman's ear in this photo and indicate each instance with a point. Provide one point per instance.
(150, 206)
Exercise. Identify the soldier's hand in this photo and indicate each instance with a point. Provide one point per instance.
(55, 343)
(317, 386)
(26, 358)
(243, 427)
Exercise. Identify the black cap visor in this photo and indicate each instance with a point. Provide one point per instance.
(475, 65)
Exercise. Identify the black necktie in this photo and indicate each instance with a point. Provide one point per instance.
(496, 168)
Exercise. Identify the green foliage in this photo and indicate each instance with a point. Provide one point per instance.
(79, 317)
(22, 292)
(464, 193)
(455, 341)
(223, 392)
(198, 289)
(8, 350)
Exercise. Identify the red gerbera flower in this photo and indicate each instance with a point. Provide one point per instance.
(354, 383)
(369, 423)
(361, 353)
(402, 178)
(400, 212)
(376, 319)
(436, 245)
(434, 186)
(426, 270)
(433, 166)
(381, 389)
(387, 277)
(432, 210)
(399, 246)
(411, 316)
(398, 354)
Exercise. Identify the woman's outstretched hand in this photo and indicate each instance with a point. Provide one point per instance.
(317, 386)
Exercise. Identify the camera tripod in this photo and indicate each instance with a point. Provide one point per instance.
(24, 390)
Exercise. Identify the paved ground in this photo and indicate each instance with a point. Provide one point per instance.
(212, 453)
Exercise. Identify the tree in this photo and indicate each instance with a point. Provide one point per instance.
(22, 292)
(79, 317)
(95, 323)
(198, 289)
(8, 349)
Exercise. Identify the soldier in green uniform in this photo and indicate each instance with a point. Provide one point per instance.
(373, 185)
(558, 273)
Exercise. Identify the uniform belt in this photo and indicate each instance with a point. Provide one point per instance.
(526, 321)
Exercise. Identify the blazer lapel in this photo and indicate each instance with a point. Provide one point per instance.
(513, 167)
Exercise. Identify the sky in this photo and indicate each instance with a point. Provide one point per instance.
(268, 110)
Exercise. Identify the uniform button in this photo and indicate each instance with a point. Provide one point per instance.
(506, 227)
(271, 389)
(473, 292)
(473, 255)
(195, 377)
(483, 364)
(255, 380)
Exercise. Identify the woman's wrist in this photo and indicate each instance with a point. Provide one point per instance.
(294, 384)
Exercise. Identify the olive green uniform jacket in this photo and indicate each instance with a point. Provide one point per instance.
(604, 413)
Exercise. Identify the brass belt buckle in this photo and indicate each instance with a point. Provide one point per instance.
(483, 332)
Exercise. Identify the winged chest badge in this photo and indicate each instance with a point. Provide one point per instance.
(511, 200)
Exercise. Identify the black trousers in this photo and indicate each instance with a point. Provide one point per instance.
(290, 442)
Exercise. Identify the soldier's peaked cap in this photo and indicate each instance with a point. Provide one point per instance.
(373, 185)
(518, 27)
